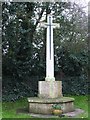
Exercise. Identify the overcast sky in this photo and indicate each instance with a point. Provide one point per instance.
(83, 3)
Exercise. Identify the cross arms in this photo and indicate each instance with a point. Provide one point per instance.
(54, 25)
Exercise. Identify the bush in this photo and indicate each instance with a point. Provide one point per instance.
(75, 85)
(12, 90)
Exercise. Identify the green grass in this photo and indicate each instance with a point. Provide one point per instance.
(82, 103)
(0, 110)
(9, 108)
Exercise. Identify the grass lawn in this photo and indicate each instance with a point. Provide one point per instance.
(0, 110)
(82, 102)
(9, 108)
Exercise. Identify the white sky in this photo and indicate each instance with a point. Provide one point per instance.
(83, 3)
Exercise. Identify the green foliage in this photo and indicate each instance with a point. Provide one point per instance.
(71, 64)
(17, 90)
(18, 35)
(56, 106)
(75, 85)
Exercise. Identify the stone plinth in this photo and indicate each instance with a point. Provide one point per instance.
(50, 92)
(50, 89)
(44, 105)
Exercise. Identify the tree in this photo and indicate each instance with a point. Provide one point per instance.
(19, 23)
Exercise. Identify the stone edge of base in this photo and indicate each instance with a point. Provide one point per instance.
(50, 100)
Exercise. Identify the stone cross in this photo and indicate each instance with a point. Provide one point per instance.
(50, 91)
(49, 47)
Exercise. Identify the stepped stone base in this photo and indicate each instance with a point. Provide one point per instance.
(44, 105)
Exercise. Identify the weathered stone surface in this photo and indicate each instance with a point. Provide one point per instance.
(49, 100)
(44, 106)
(76, 112)
(50, 89)
(50, 92)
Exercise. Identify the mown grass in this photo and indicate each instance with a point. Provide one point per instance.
(82, 102)
(0, 110)
(9, 109)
